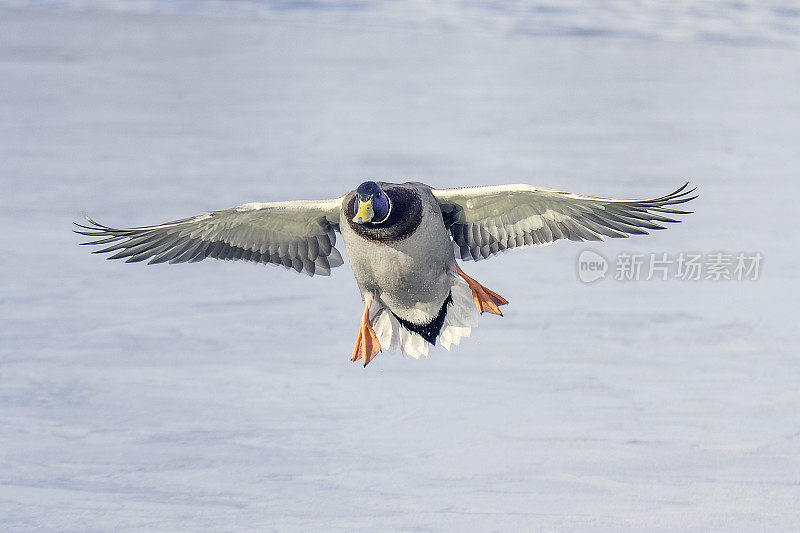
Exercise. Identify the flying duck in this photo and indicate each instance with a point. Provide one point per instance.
(402, 240)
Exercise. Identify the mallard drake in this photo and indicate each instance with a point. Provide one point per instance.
(402, 240)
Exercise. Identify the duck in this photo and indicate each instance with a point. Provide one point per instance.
(403, 242)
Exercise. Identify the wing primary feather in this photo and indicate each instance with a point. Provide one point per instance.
(583, 232)
(186, 252)
(602, 228)
(625, 216)
(134, 246)
(101, 241)
(671, 211)
(153, 250)
(149, 252)
(627, 225)
(169, 252)
(214, 249)
(145, 250)
(201, 252)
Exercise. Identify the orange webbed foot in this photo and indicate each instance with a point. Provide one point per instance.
(367, 344)
(486, 300)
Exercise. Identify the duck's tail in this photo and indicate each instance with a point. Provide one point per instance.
(455, 321)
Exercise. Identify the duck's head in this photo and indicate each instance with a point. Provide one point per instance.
(371, 205)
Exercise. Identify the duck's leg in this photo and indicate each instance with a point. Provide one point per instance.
(486, 300)
(367, 345)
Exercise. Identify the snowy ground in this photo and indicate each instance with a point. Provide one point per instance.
(220, 396)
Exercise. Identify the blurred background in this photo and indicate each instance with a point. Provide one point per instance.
(220, 396)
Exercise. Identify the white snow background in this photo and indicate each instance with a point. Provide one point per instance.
(220, 396)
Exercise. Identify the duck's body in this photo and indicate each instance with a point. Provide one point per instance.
(406, 267)
(400, 240)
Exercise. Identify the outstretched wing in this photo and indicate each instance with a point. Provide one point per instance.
(298, 235)
(488, 220)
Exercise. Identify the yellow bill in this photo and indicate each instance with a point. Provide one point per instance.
(365, 212)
